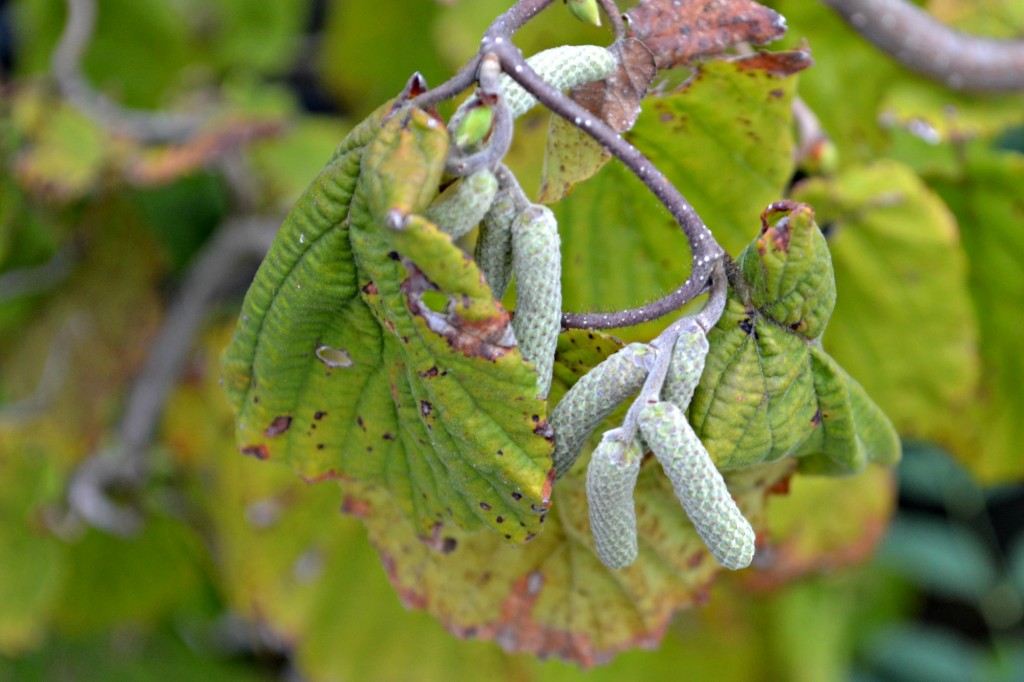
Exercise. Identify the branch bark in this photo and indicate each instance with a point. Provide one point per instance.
(925, 45)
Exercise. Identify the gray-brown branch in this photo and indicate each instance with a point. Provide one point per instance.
(922, 43)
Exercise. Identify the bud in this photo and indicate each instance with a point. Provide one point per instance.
(475, 126)
(586, 11)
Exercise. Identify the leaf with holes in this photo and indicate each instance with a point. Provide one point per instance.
(342, 366)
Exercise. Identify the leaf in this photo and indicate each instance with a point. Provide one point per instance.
(679, 33)
(641, 253)
(768, 390)
(65, 153)
(157, 572)
(801, 540)
(902, 282)
(341, 368)
(92, 330)
(984, 194)
(572, 156)
(32, 569)
(553, 597)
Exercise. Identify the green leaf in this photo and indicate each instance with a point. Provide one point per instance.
(32, 569)
(768, 389)
(340, 367)
(157, 571)
(985, 197)
(902, 281)
(803, 541)
(789, 269)
(553, 597)
(728, 128)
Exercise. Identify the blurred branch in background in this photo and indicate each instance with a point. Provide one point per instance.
(920, 42)
(237, 243)
(146, 127)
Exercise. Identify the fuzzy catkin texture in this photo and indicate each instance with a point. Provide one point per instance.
(463, 204)
(698, 485)
(563, 68)
(493, 252)
(686, 366)
(611, 479)
(537, 266)
(592, 399)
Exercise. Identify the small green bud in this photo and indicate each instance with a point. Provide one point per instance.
(475, 126)
(586, 11)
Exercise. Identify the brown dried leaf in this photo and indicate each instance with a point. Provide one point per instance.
(616, 100)
(571, 155)
(679, 32)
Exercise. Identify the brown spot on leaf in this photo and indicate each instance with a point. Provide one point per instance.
(329, 475)
(678, 33)
(430, 373)
(277, 427)
(258, 451)
(816, 419)
(356, 507)
(779, 64)
(426, 408)
(485, 506)
(319, 414)
(370, 289)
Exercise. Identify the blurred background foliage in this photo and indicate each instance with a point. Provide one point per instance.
(242, 572)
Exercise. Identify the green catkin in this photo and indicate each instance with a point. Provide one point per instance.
(592, 399)
(698, 485)
(686, 366)
(537, 267)
(463, 204)
(494, 245)
(611, 478)
(563, 68)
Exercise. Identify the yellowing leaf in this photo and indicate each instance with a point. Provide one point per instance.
(340, 367)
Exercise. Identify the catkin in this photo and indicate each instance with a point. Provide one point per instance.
(463, 204)
(537, 266)
(611, 478)
(494, 246)
(686, 366)
(592, 399)
(698, 485)
(563, 68)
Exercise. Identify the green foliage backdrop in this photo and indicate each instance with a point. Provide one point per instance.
(240, 570)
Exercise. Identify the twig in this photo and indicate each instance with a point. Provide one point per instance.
(55, 370)
(614, 15)
(505, 25)
(145, 126)
(704, 249)
(663, 346)
(27, 281)
(126, 465)
(922, 43)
